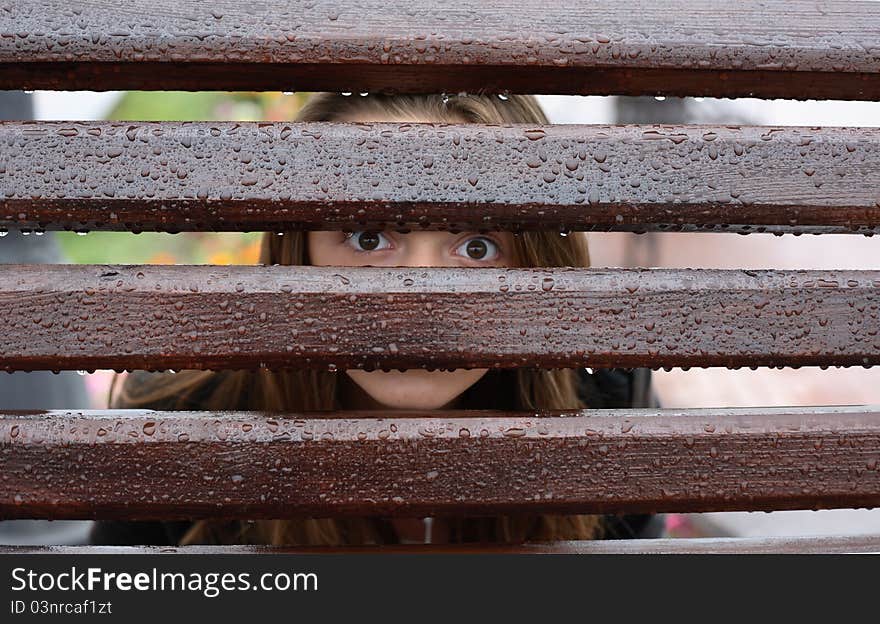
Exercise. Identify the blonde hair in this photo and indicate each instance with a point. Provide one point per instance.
(316, 390)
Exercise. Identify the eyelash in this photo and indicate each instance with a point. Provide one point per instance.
(348, 236)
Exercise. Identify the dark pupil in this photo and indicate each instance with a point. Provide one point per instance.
(368, 240)
(476, 248)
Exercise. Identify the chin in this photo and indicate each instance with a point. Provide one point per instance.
(416, 389)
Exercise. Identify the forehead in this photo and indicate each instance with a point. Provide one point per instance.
(442, 235)
(390, 117)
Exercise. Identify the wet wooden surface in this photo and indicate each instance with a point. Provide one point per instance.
(141, 464)
(746, 387)
(277, 176)
(793, 49)
(717, 545)
(85, 317)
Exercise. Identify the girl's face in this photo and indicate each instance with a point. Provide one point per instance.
(414, 388)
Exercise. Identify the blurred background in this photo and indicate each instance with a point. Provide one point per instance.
(676, 388)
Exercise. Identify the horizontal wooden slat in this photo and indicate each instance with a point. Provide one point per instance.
(701, 545)
(145, 464)
(84, 317)
(277, 176)
(794, 49)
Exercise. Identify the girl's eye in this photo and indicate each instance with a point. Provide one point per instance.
(363, 240)
(479, 248)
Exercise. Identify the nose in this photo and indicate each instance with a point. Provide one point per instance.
(425, 249)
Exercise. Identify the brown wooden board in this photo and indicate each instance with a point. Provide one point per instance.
(140, 464)
(279, 176)
(843, 544)
(794, 49)
(86, 317)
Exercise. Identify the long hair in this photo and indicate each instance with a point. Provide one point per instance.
(316, 390)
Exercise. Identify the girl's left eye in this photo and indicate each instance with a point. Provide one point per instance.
(479, 248)
(363, 241)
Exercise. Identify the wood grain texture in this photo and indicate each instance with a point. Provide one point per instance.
(794, 49)
(280, 176)
(659, 546)
(85, 317)
(139, 464)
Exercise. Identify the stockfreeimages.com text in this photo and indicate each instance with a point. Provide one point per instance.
(209, 583)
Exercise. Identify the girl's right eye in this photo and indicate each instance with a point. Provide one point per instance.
(363, 241)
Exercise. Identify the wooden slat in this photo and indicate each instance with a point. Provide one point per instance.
(660, 546)
(140, 464)
(796, 49)
(276, 176)
(85, 317)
